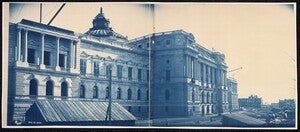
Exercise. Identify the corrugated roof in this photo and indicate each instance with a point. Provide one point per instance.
(46, 27)
(245, 119)
(68, 111)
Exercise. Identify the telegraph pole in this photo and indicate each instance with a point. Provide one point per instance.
(109, 96)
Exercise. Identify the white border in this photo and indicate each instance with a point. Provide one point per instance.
(5, 20)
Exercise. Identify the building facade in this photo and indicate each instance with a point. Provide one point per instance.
(232, 94)
(252, 101)
(51, 63)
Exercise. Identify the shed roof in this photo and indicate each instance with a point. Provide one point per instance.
(47, 27)
(68, 111)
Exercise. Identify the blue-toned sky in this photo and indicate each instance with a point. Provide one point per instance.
(258, 37)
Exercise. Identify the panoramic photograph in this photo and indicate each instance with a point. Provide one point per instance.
(149, 65)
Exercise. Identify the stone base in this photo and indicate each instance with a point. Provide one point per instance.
(72, 70)
(57, 68)
(42, 66)
(22, 64)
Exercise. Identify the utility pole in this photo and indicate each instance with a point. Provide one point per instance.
(41, 12)
(109, 97)
(108, 111)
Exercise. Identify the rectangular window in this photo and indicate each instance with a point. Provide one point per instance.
(140, 74)
(107, 71)
(168, 42)
(202, 73)
(130, 73)
(96, 69)
(192, 65)
(119, 71)
(148, 75)
(168, 75)
(61, 60)
(82, 66)
(31, 55)
(47, 58)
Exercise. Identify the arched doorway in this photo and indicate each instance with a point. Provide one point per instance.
(129, 94)
(82, 91)
(95, 92)
(49, 88)
(64, 89)
(33, 87)
(139, 94)
(208, 109)
(203, 110)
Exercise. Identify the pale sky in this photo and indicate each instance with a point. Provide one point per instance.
(258, 37)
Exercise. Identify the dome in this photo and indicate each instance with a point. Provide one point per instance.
(101, 27)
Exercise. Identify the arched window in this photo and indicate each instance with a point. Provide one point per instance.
(82, 91)
(107, 92)
(64, 89)
(147, 95)
(33, 87)
(129, 94)
(212, 97)
(207, 98)
(49, 88)
(119, 93)
(139, 94)
(208, 109)
(95, 92)
(193, 95)
(167, 94)
(203, 97)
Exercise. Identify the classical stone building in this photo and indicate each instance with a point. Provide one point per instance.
(188, 79)
(232, 94)
(51, 63)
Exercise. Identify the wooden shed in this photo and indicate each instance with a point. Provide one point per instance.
(77, 113)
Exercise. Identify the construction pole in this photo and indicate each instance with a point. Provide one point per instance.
(109, 104)
(56, 13)
(41, 12)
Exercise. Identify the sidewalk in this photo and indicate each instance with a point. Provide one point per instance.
(196, 120)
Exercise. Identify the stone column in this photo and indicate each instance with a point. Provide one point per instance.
(25, 47)
(19, 40)
(42, 65)
(57, 68)
(204, 75)
(71, 54)
(208, 76)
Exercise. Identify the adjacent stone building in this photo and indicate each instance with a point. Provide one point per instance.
(51, 63)
(252, 101)
(232, 94)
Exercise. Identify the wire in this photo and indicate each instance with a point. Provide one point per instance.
(19, 12)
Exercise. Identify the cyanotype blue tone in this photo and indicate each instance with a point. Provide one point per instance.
(101, 78)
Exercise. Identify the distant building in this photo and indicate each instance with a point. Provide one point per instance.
(274, 105)
(287, 104)
(252, 101)
(232, 94)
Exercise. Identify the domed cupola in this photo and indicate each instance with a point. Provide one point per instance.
(101, 27)
(100, 22)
